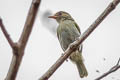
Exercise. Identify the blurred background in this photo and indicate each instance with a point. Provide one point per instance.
(101, 49)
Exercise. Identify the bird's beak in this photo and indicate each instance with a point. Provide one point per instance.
(54, 17)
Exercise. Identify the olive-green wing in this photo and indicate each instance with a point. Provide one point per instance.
(57, 32)
(76, 25)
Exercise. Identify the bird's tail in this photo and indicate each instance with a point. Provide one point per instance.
(81, 69)
(77, 58)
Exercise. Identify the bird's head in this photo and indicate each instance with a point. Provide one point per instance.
(61, 16)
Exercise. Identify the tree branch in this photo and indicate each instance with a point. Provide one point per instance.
(113, 69)
(21, 44)
(6, 34)
(76, 43)
(29, 23)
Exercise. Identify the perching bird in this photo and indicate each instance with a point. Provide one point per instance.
(67, 32)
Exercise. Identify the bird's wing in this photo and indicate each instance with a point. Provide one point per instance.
(57, 35)
(57, 32)
(81, 46)
(76, 25)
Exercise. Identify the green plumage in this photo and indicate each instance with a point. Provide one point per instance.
(67, 32)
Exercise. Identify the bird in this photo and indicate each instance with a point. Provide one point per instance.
(67, 32)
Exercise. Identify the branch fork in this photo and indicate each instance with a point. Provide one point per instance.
(19, 47)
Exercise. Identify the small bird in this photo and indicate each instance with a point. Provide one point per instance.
(67, 32)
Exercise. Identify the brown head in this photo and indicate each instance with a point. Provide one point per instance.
(60, 16)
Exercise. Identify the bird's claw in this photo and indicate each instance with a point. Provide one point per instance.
(77, 38)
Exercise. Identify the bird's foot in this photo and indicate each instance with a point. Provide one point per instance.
(77, 38)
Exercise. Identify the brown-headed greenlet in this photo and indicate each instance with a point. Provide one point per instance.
(67, 32)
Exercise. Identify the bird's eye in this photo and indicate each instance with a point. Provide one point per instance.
(59, 13)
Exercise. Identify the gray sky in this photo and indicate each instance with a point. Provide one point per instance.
(43, 48)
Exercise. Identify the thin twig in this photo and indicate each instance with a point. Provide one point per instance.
(75, 44)
(6, 34)
(118, 62)
(113, 69)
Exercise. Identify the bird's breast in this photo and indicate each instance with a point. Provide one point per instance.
(67, 34)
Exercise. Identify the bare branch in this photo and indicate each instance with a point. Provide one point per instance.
(75, 44)
(20, 46)
(29, 23)
(113, 69)
(118, 62)
(6, 34)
